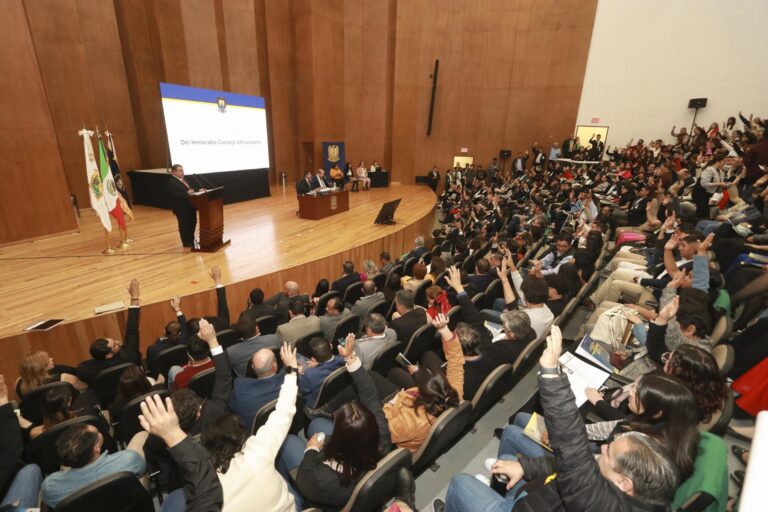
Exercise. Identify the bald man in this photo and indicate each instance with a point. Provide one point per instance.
(281, 299)
(251, 393)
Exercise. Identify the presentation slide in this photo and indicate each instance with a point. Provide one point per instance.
(215, 131)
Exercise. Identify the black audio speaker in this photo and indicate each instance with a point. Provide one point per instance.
(505, 153)
(432, 99)
(697, 102)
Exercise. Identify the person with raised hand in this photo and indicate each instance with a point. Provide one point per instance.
(633, 473)
(202, 491)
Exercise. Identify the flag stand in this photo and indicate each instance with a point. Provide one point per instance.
(109, 250)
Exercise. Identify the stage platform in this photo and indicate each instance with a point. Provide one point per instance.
(67, 277)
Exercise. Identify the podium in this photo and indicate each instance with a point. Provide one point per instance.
(315, 207)
(210, 207)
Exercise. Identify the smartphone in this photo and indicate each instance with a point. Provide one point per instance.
(341, 342)
(402, 360)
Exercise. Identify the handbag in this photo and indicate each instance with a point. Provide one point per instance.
(613, 327)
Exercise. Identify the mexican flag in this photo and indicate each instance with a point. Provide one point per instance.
(95, 185)
(111, 198)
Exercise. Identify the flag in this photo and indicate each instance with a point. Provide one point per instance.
(95, 186)
(110, 189)
(112, 155)
(724, 200)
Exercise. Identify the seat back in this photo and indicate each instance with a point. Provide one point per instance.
(493, 291)
(478, 300)
(408, 266)
(172, 356)
(454, 317)
(397, 269)
(262, 415)
(322, 301)
(421, 341)
(390, 311)
(420, 296)
(497, 384)
(380, 306)
(202, 383)
(302, 344)
(380, 280)
(42, 449)
(228, 337)
(722, 329)
(333, 384)
(350, 325)
(724, 355)
(267, 324)
(440, 280)
(105, 383)
(119, 492)
(445, 430)
(32, 404)
(529, 355)
(468, 265)
(353, 293)
(386, 359)
(379, 485)
(719, 422)
(129, 418)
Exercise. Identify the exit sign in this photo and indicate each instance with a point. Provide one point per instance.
(594, 120)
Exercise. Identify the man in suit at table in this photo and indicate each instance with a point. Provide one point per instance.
(304, 185)
(299, 325)
(319, 180)
(186, 214)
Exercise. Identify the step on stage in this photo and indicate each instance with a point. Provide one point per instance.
(66, 276)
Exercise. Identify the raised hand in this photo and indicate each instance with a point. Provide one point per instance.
(161, 420)
(133, 289)
(705, 245)
(551, 355)
(347, 351)
(440, 322)
(207, 333)
(176, 303)
(668, 312)
(288, 355)
(216, 274)
(454, 279)
(672, 243)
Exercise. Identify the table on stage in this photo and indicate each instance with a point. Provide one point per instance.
(379, 179)
(315, 207)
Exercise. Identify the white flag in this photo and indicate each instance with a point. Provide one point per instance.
(95, 185)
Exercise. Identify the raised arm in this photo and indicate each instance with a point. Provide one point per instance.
(669, 257)
(10, 438)
(222, 386)
(222, 309)
(130, 348)
(453, 354)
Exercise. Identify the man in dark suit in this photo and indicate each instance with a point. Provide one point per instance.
(280, 300)
(596, 148)
(108, 352)
(251, 394)
(482, 277)
(419, 248)
(349, 277)
(320, 366)
(256, 306)
(410, 319)
(186, 214)
(319, 180)
(304, 185)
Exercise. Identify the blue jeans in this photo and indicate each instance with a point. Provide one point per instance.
(25, 489)
(514, 441)
(468, 494)
(176, 501)
(707, 226)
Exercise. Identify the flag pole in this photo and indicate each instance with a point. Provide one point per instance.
(109, 250)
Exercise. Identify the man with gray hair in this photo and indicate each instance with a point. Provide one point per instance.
(281, 299)
(260, 385)
(419, 248)
(370, 297)
(378, 337)
(408, 318)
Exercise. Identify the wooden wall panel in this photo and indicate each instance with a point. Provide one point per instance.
(34, 197)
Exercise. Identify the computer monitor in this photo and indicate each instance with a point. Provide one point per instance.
(387, 213)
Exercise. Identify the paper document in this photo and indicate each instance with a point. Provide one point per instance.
(581, 376)
(497, 332)
(595, 352)
(535, 429)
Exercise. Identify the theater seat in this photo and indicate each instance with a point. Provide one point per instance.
(302, 344)
(724, 355)
(710, 474)
(172, 356)
(333, 384)
(267, 324)
(408, 266)
(420, 296)
(529, 356)
(350, 325)
(42, 449)
(120, 492)
(105, 383)
(323, 300)
(228, 337)
(31, 404)
(353, 293)
(129, 418)
(262, 415)
(719, 422)
(203, 382)
(497, 384)
(446, 429)
(421, 341)
(385, 360)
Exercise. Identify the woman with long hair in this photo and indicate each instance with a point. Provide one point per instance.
(38, 368)
(57, 407)
(698, 369)
(338, 453)
(133, 383)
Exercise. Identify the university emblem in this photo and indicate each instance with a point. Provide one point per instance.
(222, 104)
(334, 203)
(333, 153)
(96, 185)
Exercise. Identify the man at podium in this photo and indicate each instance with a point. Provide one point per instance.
(185, 213)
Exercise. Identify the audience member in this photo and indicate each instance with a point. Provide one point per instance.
(252, 341)
(299, 325)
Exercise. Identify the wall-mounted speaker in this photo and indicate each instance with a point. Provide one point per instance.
(505, 153)
(697, 102)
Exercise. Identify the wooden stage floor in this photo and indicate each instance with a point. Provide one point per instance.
(66, 276)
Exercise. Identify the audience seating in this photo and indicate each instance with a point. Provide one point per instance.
(725, 355)
(705, 476)
(408, 266)
(172, 356)
(478, 300)
(353, 293)
(420, 297)
(493, 291)
(379, 280)
(129, 425)
(323, 300)
(32, 403)
(119, 492)
(267, 324)
(202, 383)
(468, 265)
(497, 384)
(397, 269)
(262, 415)
(390, 311)
(350, 325)
(445, 431)
(42, 449)
(386, 359)
(719, 422)
(722, 329)
(105, 384)
(529, 356)
(454, 317)
(440, 279)
(302, 344)
(228, 337)
(380, 306)
(421, 341)
(333, 384)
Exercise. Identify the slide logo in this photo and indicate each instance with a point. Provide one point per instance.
(222, 103)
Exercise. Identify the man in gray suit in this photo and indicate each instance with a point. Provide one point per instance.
(377, 338)
(240, 353)
(335, 312)
(298, 325)
(369, 298)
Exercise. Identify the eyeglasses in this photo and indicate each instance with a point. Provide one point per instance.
(665, 357)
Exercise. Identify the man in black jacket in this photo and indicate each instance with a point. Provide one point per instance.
(179, 189)
(109, 352)
(350, 277)
(411, 317)
(634, 473)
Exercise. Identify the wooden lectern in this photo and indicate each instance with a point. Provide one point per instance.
(210, 206)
